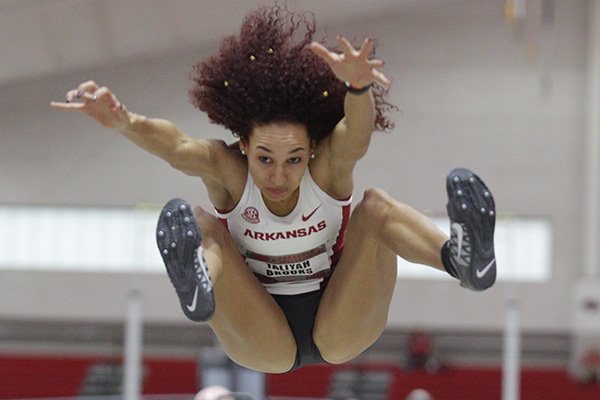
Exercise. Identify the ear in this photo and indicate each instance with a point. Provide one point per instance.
(313, 146)
(243, 146)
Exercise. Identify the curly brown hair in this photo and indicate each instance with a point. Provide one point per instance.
(266, 76)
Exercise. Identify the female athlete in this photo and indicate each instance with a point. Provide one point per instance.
(286, 274)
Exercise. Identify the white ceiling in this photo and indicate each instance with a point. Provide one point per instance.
(47, 37)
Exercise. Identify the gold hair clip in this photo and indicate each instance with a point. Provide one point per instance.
(270, 51)
(226, 83)
(252, 58)
(325, 93)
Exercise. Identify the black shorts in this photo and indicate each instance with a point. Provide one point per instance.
(301, 311)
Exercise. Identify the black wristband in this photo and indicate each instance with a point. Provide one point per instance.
(357, 91)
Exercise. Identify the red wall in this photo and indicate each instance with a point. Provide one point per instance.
(49, 376)
(449, 384)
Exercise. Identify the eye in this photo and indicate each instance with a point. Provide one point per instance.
(265, 160)
(294, 160)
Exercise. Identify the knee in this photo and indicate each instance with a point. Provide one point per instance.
(282, 363)
(377, 208)
(338, 347)
(336, 350)
(374, 208)
(275, 363)
(210, 226)
(332, 351)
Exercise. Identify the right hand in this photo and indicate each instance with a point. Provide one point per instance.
(351, 65)
(98, 102)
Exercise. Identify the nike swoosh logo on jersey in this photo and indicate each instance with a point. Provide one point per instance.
(192, 307)
(459, 237)
(481, 273)
(307, 217)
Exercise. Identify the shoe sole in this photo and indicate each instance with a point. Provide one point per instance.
(471, 203)
(178, 238)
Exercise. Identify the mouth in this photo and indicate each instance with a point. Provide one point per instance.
(276, 192)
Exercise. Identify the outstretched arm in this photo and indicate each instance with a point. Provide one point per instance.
(157, 136)
(351, 137)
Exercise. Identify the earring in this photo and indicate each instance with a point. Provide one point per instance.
(243, 152)
(312, 156)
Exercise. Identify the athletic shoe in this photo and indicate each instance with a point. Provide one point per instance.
(472, 215)
(178, 238)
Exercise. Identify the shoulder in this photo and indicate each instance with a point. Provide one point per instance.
(332, 174)
(220, 147)
(227, 156)
(226, 190)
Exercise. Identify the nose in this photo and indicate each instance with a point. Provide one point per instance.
(278, 175)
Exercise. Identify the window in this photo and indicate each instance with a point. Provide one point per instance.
(523, 248)
(123, 240)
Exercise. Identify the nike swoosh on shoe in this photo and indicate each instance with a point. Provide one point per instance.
(192, 307)
(481, 273)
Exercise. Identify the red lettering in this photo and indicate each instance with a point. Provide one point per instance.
(270, 235)
(301, 232)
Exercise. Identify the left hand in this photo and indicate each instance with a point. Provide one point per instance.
(353, 66)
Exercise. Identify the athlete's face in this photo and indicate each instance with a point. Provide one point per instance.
(278, 155)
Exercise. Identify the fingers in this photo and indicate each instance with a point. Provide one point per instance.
(66, 106)
(376, 63)
(345, 45)
(382, 80)
(86, 87)
(366, 48)
(104, 98)
(101, 96)
(88, 92)
(353, 65)
(323, 52)
(92, 99)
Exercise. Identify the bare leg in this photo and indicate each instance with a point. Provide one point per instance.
(248, 322)
(354, 308)
(410, 234)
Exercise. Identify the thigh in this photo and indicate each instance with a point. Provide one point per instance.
(354, 308)
(250, 325)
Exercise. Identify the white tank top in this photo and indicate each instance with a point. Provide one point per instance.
(295, 253)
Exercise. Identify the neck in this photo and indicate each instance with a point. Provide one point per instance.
(283, 207)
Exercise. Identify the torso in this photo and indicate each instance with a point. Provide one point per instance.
(293, 253)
